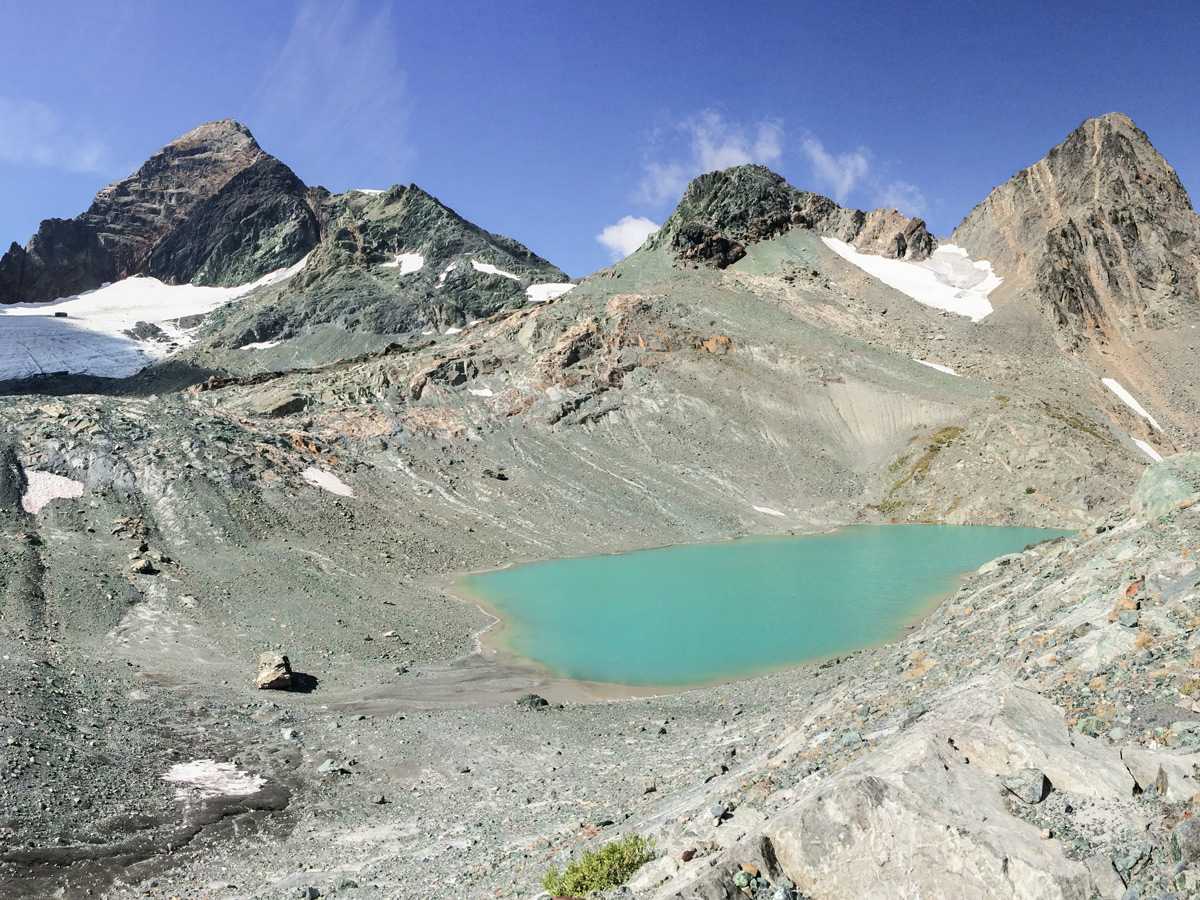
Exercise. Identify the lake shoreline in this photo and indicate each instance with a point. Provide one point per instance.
(491, 645)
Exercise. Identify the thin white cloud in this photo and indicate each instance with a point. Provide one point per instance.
(837, 174)
(847, 174)
(901, 195)
(626, 235)
(31, 133)
(712, 143)
(335, 94)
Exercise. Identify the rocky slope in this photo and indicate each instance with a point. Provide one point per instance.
(389, 263)
(210, 208)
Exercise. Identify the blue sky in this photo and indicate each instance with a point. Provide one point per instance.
(552, 121)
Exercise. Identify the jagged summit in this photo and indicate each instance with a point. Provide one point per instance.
(220, 130)
(211, 208)
(1101, 232)
(388, 263)
(723, 212)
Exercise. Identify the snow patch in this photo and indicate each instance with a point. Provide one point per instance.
(948, 280)
(370, 192)
(480, 392)
(260, 345)
(42, 487)
(489, 269)
(445, 273)
(452, 331)
(204, 778)
(86, 334)
(938, 366)
(1148, 450)
(766, 510)
(407, 263)
(1127, 398)
(540, 293)
(326, 481)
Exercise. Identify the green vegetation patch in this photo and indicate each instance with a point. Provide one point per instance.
(917, 472)
(1074, 419)
(599, 870)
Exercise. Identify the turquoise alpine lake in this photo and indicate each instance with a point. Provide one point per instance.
(710, 612)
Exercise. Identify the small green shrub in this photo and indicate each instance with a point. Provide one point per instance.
(599, 870)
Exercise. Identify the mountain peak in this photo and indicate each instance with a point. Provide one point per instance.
(725, 211)
(1101, 229)
(211, 207)
(222, 130)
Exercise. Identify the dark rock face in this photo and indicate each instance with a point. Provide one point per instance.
(724, 212)
(210, 208)
(1101, 233)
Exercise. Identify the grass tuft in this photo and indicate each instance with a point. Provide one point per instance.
(599, 870)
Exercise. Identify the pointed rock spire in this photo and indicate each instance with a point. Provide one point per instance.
(1100, 232)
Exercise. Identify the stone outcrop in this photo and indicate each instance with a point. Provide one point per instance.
(211, 208)
(1173, 483)
(1100, 233)
(274, 672)
(723, 212)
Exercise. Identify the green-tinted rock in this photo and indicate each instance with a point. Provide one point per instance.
(1167, 486)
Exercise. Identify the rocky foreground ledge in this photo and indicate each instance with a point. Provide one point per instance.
(1036, 738)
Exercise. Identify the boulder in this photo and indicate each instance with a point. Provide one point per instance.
(1167, 486)
(1030, 785)
(1170, 775)
(1010, 728)
(1185, 840)
(274, 672)
(276, 404)
(915, 821)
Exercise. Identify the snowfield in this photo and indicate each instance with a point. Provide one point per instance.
(489, 269)
(938, 366)
(327, 481)
(770, 511)
(1148, 450)
(948, 280)
(204, 778)
(42, 487)
(86, 334)
(1127, 398)
(540, 293)
(407, 263)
